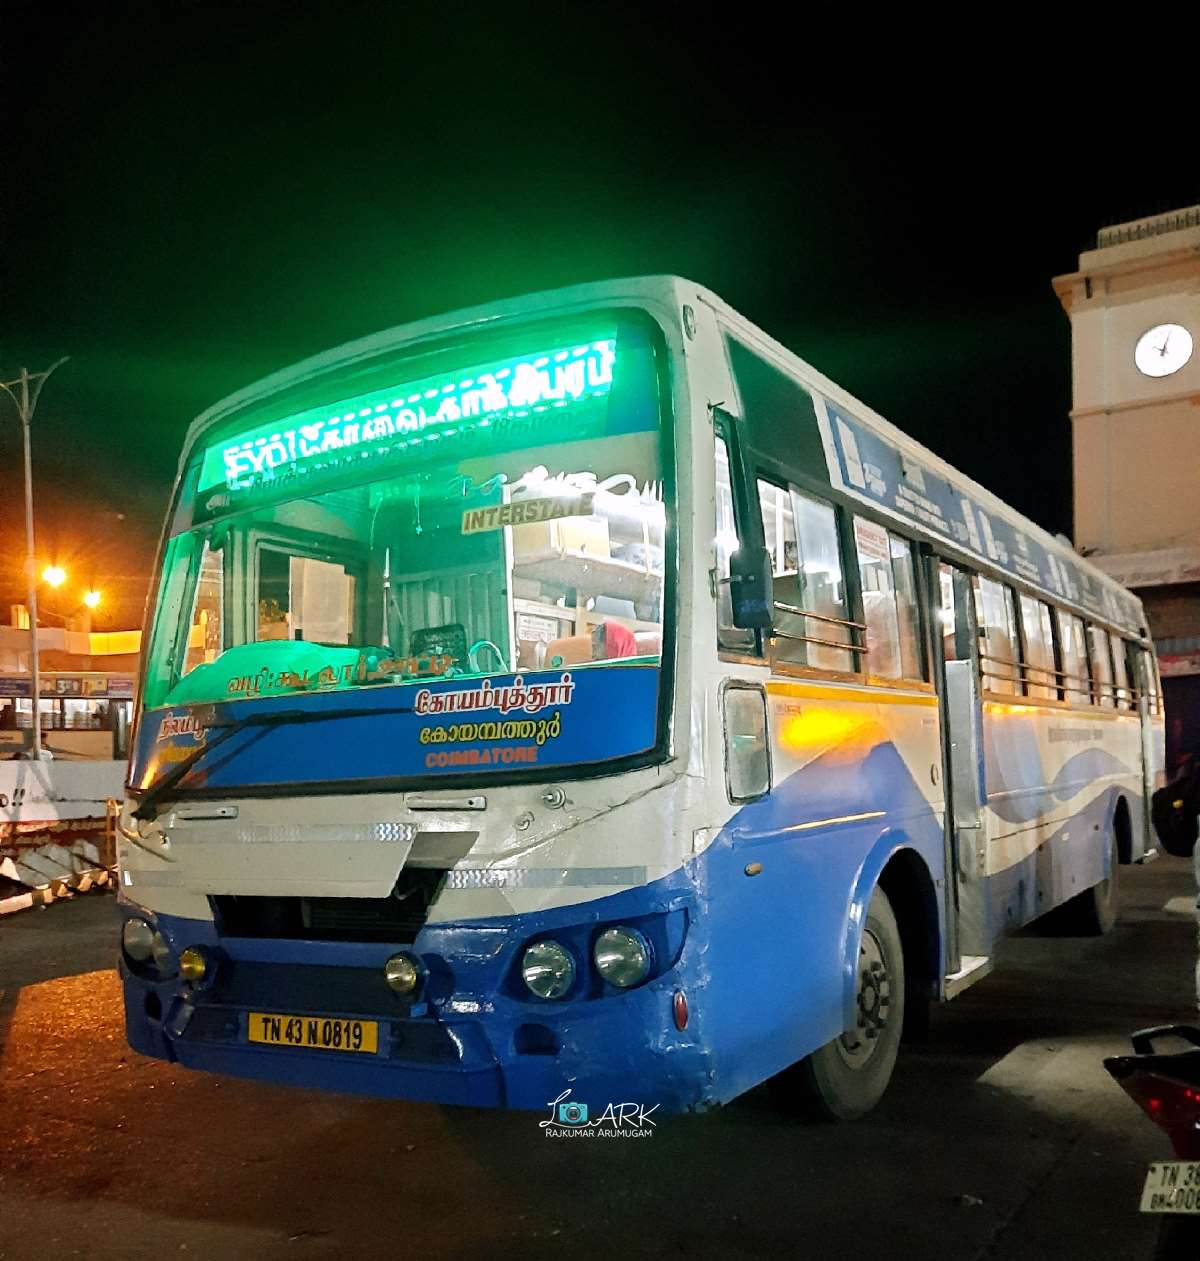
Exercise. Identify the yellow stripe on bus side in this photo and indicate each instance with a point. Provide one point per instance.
(826, 692)
(1004, 708)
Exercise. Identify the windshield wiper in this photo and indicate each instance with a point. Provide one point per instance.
(153, 795)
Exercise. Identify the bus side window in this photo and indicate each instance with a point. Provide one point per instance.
(888, 587)
(912, 658)
(1120, 672)
(954, 624)
(1149, 679)
(801, 534)
(879, 599)
(998, 655)
(729, 637)
(1077, 687)
(1039, 649)
(1102, 671)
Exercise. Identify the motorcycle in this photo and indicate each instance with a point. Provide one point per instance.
(1166, 1086)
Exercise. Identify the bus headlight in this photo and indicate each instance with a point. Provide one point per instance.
(137, 940)
(146, 949)
(548, 969)
(160, 951)
(622, 956)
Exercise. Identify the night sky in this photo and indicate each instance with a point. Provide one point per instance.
(195, 198)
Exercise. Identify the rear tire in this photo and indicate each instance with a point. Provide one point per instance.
(1094, 912)
(848, 1076)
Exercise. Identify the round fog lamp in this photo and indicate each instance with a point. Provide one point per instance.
(548, 969)
(622, 956)
(402, 974)
(193, 965)
(137, 940)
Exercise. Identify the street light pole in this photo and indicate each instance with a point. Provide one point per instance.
(26, 405)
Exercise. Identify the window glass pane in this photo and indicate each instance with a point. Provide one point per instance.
(1137, 686)
(1039, 649)
(726, 541)
(903, 574)
(1149, 679)
(1121, 673)
(1047, 622)
(822, 587)
(998, 636)
(1074, 658)
(879, 599)
(204, 636)
(173, 618)
(779, 535)
(779, 527)
(1101, 666)
(300, 598)
(805, 545)
(947, 617)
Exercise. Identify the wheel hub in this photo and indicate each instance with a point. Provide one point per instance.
(872, 1001)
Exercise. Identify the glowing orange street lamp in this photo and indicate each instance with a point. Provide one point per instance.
(54, 575)
(92, 599)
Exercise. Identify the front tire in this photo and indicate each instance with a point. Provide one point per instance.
(848, 1076)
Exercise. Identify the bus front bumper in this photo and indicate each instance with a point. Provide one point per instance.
(494, 1053)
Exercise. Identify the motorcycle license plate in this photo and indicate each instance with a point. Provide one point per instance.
(1172, 1186)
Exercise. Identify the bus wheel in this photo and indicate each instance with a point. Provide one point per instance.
(847, 1077)
(1093, 913)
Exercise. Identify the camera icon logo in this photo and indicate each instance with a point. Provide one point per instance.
(572, 1113)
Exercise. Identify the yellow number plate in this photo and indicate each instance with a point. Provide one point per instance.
(320, 1032)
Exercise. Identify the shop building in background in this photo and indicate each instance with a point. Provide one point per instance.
(87, 681)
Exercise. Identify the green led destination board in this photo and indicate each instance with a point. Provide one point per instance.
(399, 416)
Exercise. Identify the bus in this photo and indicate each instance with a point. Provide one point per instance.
(581, 698)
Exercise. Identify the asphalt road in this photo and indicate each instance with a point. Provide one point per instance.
(1001, 1138)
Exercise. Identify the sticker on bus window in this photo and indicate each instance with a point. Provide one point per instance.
(872, 540)
(536, 629)
(525, 512)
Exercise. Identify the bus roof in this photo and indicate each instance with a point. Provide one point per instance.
(869, 459)
(918, 487)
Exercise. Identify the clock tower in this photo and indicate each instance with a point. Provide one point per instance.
(1134, 306)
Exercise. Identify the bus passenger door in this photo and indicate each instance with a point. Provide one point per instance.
(968, 940)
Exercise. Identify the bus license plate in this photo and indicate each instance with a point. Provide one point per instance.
(317, 1032)
(1172, 1186)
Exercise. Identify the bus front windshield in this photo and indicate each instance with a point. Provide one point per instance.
(501, 516)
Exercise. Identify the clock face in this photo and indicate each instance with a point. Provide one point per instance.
(1163, 350)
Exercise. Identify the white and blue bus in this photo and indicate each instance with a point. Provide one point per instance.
(583, 694)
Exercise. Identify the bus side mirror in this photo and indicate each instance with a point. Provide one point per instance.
(751, 588)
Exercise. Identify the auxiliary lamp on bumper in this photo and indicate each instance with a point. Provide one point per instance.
(146, 949)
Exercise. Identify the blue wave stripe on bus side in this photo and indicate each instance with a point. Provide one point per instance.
(1067, 862)
(786, 968)
(1014, 767)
